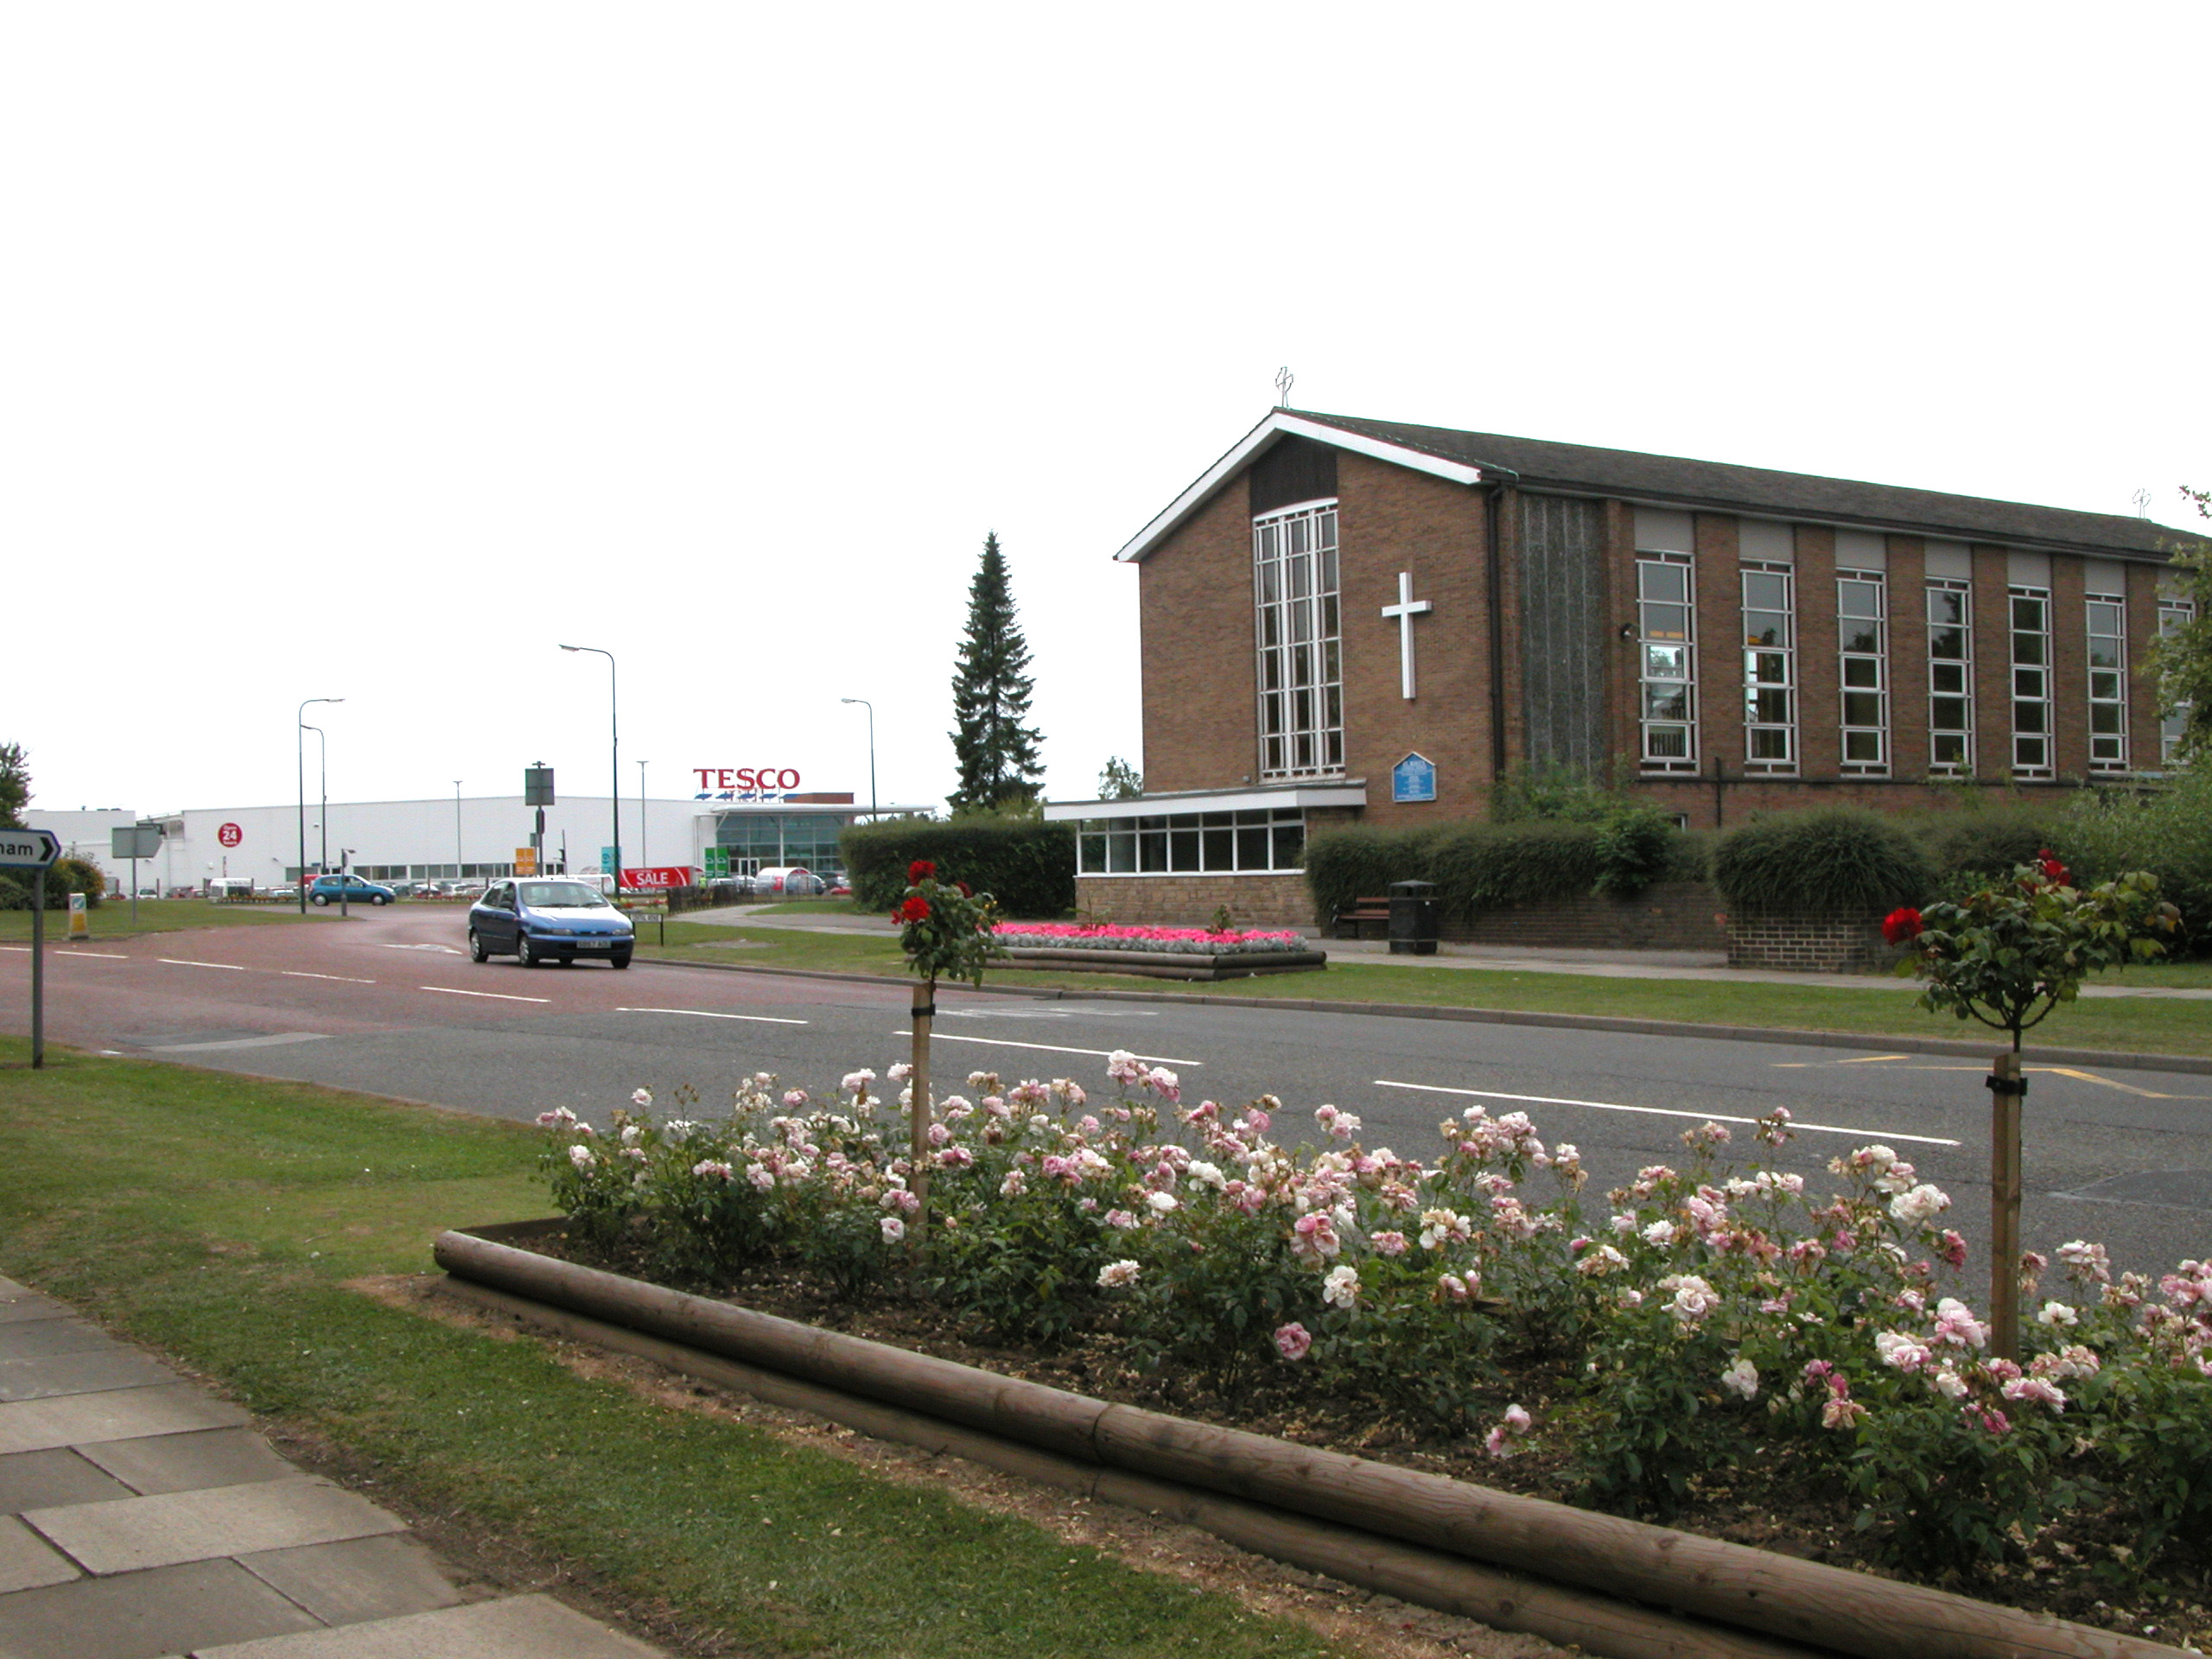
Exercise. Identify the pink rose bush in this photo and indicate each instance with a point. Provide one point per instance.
(1697, 1312)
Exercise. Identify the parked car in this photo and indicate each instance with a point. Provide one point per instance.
(330, 889)
(792, 881)
(548, 919)
(727, 889)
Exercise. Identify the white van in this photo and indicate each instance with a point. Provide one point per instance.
(791, 880)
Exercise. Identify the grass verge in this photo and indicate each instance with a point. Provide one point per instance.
(217, 1218)
(2150, 1026)
(113, 919)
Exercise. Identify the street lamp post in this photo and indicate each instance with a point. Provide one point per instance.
(300, 758)
(615, 749)
(323, 765)
(457, 829)
(644, 857)
(870, 706)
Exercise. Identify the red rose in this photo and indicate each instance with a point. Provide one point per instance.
(2054, 872)
(966, 892)
(1901, 926)
(919, 872)
(916, 909)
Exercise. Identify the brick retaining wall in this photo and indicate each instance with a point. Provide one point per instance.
(1804, 945)
(1190, 901)
(1670, 916)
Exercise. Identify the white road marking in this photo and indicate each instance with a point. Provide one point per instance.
(701, 1014)
(1047, 1048)
(295, 973)
(184, 961)
(2047, 1070)
(1049, 1013)
(61, 947)
(500, 996)
(1664, 1111)
(447, 949)
(1856, 1059)
(272, 1040)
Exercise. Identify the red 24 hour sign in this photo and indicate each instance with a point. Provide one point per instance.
(230, 835)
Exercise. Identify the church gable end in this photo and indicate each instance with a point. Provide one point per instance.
(1293, 470)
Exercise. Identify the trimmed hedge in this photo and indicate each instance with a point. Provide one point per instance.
(1028, 865)
(1836, 861)
(65, 876)
(1479, 867)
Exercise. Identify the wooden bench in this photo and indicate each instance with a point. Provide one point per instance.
(1363, 912)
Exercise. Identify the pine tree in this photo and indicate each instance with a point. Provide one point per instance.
(997, 752)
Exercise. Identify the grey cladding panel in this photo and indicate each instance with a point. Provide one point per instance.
(1562, 631)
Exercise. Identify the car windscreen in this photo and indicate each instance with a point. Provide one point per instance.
(554, 895)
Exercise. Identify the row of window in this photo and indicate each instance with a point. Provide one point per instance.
(1176, 842)
(1666, 623)
(1301, 638)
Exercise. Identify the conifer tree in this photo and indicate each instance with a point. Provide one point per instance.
(997, 751)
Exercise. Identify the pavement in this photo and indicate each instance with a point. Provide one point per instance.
(1709, 965)
(141, 1518)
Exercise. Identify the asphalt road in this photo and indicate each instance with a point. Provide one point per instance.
(388, 1003)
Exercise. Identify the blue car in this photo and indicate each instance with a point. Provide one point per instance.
(547, 918)
(329, 889)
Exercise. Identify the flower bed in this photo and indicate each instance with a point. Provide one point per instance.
(1704, 1325)
(1103, 935)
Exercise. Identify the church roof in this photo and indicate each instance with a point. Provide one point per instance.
(1674, 481)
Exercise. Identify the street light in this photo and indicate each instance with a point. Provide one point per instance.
(300, 747)
(643, 857)
(457, 829)
(615, 749)
(323, 762)
(870, 706)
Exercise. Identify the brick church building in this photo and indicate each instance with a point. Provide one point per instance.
(1355, 620)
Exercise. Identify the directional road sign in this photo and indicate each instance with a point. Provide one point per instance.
(28, 849)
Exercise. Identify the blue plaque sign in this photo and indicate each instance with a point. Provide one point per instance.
(1414, 779)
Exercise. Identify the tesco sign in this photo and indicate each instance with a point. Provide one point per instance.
(744, 783)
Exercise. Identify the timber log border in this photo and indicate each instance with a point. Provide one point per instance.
(1621, 1588)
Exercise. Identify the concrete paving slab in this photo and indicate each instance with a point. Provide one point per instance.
(42, 1339)
(521, 1627)
(9, 1290)
(189, 1462)
(45, 1480)
(40, 1379)
(26, 1563)
(130, 1533)
(112, 1414)
(360, 1580)
(29, 1306)
(169, 1610)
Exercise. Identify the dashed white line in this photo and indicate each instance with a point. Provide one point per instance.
(702, 1014)
(1662, 1111)
(186, 961)
(500, 996)
(60, 948)
(1047, 1048)
(296, 973)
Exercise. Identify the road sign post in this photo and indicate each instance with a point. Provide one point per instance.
(134, 841)
(34, 850)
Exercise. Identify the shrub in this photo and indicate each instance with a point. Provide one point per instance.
(2167, 832)
(1634, 849)
(1838, 862)
(1344, 866)
(1968, 850)
(67, 875)
(1479, 867)
(1028, 865)
(1556, 793)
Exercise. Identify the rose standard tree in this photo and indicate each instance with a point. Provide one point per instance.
(945, 931)
(2007, 958)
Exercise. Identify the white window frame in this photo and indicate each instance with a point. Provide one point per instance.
(1962, 666)
(1252, 842)
(1298, 640)
(2109, 747)
(1769, 673)
(2174, 615)
(1873, 668)
(1656, 736)
(2034, 754)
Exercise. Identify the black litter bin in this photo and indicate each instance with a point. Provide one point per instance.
(1416, 917)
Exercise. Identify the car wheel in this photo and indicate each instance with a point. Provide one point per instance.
(621, 959)
(379, 899)
(568, 962)
(526, 953)
(320, 901)
(476, 950)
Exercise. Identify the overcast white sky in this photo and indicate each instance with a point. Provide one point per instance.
(371, 351)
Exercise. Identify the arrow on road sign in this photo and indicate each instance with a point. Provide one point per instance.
(28, 849)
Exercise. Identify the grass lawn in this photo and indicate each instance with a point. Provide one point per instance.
(2151, 1026)
(217, 1218)
(113, 919)
(811, 907)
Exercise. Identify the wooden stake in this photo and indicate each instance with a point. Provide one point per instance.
(2005, 1090)
(917, 1141)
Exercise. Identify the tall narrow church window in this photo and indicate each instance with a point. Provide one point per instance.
(2108, 683)
(2032, 750)
(1950, 676)
(1666, 640)
(1862, 641)
(1769, 669)
(2174, 615)
(1300, 645)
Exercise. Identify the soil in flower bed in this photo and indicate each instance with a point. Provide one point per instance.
(1774, 1497)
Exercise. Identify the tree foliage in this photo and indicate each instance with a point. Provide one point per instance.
(1000, 768)
(1120, 781)
(15, 785)
(2183, 659)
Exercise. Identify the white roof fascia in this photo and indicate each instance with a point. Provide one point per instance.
(1279, 422)
(1211, 800)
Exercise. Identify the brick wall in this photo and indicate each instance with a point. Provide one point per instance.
(1800, 945)
(1819, 673)
(1190, 901)
(1993, 664)
(2142, 689)
(1908, 601)
(1199, 673)
(1671, 916)
(2070, 672)
(1719, 656)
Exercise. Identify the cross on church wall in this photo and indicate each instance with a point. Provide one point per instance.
(1403, 613)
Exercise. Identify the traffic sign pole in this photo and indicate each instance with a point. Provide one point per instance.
(38, 969)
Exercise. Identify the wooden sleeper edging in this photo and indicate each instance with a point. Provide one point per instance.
(1731, 1585)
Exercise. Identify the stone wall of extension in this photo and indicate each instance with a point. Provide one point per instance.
(1803, 945)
